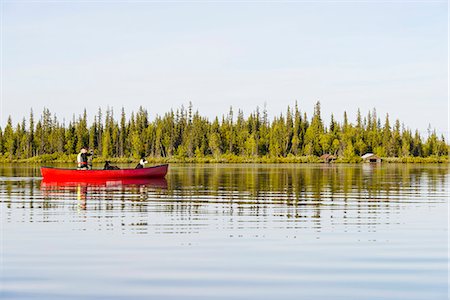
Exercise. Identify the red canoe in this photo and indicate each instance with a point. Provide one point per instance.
(71, 174)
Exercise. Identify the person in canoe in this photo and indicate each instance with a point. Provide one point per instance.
(141, 163)
(82, 159)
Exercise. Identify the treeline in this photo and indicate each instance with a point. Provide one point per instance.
(186, 134)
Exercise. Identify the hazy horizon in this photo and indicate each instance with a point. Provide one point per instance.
(388, 56)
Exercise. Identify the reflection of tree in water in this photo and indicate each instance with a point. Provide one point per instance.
(293, 193)
(21, 170)
(311, 186)
(299, 182)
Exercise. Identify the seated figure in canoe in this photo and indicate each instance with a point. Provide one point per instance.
(82, 159)
(141, 163)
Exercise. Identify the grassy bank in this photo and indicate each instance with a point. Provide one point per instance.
(64, 158)
(431, 159)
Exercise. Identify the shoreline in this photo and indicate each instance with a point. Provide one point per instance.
(58, 158)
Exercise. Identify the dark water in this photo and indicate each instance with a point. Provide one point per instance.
(229, 232)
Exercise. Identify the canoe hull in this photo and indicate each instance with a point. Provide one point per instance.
(71, 174)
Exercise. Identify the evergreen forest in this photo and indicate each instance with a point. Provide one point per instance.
(185, 135)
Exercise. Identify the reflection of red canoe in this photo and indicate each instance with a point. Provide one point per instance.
(49, 184)
(82, 175)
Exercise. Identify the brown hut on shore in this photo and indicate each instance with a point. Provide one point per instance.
(370, 157)
(328, 158)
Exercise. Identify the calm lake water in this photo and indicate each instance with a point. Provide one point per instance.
(229, 232)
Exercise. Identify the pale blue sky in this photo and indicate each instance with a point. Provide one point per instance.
(387, 55)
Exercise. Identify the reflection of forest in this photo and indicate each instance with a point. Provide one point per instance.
(323, 195)
(297, 182)
(249, 183)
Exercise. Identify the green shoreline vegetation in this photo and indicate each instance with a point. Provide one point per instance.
(183, 136)
(63, 158)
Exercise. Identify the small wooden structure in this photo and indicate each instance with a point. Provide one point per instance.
(372, 158)
(328, 158)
